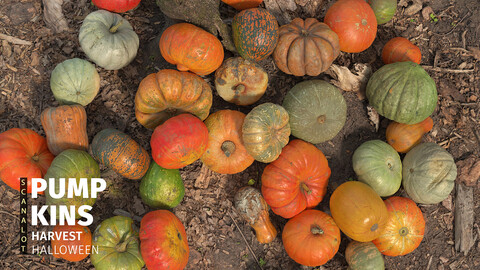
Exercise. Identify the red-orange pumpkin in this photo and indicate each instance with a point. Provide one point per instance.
(243, 4)
(73, 250)
(403, 137)
(400, 49)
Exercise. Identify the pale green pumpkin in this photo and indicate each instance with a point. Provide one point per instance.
(364, 256)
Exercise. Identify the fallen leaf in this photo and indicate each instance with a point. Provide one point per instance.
(347, 80)
(468, 170)
(373, 116)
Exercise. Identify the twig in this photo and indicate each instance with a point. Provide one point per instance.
(14, 40)
(7, 213)
(429, 262)
(246, 242)
(453, 28)
(23, 267)
(448, 70)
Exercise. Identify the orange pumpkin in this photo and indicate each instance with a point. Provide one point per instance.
(191, 48)
(72, 250)
(243, 4)
(404, 230)
(403, 137)
(400, 49)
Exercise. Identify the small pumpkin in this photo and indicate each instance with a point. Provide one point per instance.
(243, 4)
(383, 9)
(266, 131)
(364, 256)
(191, 48)
(118, 6)
(297, 180)
(73, 250)
(65, 127)
(75, 81)
(306, 47)
(168, 93)
(400, 49)
(240, 81)
(429, 173)
(311, 238)
(403, 137)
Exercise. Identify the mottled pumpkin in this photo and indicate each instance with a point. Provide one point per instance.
(383, 9)
(243, 4)
(400, 49)
(119, 6)
(364, 256)
(403, 137)
(74, 250)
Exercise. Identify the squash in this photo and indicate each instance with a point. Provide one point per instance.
(297, 180)
(65, 127)
(378, 165)
(191, 48)
(311, 238)
(383, 9)
(400, 49)
(306, 47)
(23, 153)
(74, 249)
(358, 211)
(364, 256)
(75, 81)
(240, 81)
(243, 4)
(168, 93)
(108, 40)
(163, 241)
(225, 152)
(429, 173)
(266, 131)
(317, 111)
(118, 6)
(403, 137)
(402, 92)
(251, 206)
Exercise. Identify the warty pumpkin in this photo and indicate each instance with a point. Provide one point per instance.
(400, 49)
(76, 249)
(403, 137)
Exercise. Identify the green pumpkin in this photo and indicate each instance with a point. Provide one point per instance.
(402, 92)
(378, 165)
(364, 256)
(161, 188)
(68, 164)
(429, 173)
(75, 81)
(383, 9)
(118, 245)
(108, 40)
(317, 111)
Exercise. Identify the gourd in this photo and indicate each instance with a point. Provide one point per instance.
(74, 249)
(119, 6)
(403, 137)
(243, 4)
(383, 9)
(364, 256)
(400, 49)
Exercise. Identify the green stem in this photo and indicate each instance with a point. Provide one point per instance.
(305, 188)
(114, 28)
(122, 247)
(316, 230)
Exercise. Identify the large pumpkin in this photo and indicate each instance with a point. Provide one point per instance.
(297, 180)
(116, 5)
(74, 249)
(243, 4)
(402, 92)
(383, 9)
(306, 47)
(400, 49)
(255, 33)
(23, 153)
(403, 137)
(311, 238)
(164, 243)
(355, 24)
(168, 93)
(429, 173)
(75, 81)
(364, 256)
(266, 131)
(108, 40)
(358, 211)
(317, 111)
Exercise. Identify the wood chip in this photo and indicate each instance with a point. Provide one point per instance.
(204, 177)
(14, 40)
(464, 217)
(469, 170)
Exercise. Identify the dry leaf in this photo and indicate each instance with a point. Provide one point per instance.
(373, 116)
(469, 170)
(347, 80)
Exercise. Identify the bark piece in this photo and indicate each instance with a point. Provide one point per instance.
(281, 9)
(464, 217)
(53, 15)
(347, 80)
(469, 170)
(204, 178)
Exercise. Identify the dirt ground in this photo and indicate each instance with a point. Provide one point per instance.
(449, 42)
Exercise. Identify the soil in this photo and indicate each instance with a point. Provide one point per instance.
(449, 43)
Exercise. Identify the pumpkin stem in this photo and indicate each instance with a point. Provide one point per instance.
(321, 119)
(403, 231)
(374, 227)
(239, 88)
(316, 230)
(35, 157)
(228, 147)
(305, 188)
(114, 28)
(122, 247)
(364, 22)
(304, 33)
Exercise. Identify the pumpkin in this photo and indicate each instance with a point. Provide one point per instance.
(429, 173)
(179, 141)
(253, 209)
(119, 152)
(358, 211)
(311, 238)
(243, 4)
(378, 165)
(164, 243)
(168, 93)
(108, 40)
(225, 152)
(240, 81)
(161, 188)
(74, 249)
(75, 81)
(404, 229)
(297, 180)
(65, 127)
(72, 165)
(403, 137)
(266, 131)
(383, 9)
(402, 92)
(306, 47)
(355, 24)
(118, 245)
(118, 6)
(317, 111)
(364, 256)
(255, 33)
(400, 49)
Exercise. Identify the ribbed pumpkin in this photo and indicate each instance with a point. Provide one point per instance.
(65, 127)
(400, 49)
(364, 256)
(191, 48)
(240, 81)
(266, 131)
(297, 180)
(317, 111)
(402, 92)
(306, 47)
(116, 5)
(121, 153)
(243, 4)
(75, 81)
(168, 93)
(403, 137)
(383, 9)
(74, 250)
(255, 33)
(429, 173)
